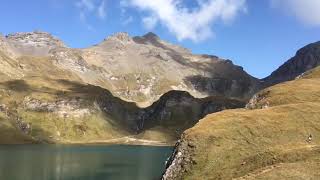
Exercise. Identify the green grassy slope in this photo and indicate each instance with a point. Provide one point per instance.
(50, 126)
(42, 102)
(268, 141)
(64, 111)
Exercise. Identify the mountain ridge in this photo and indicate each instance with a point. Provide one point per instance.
(149, 59)
(115, 89)
(305, 59)
(145, 88)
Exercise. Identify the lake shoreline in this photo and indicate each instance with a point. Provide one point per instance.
(117, 141)
(122, 141)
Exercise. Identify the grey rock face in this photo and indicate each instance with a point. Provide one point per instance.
(180, 161)
(174, 109)
(62, 108)
(256, 101)
(33, 43)
(305, 59)
(35, 38)
(122, 37)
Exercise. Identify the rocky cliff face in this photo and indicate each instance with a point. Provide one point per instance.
(305, 59)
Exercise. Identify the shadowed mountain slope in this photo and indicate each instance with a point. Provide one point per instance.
(305, 59)
(41, 109)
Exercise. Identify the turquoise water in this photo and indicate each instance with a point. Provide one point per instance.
(94, 162)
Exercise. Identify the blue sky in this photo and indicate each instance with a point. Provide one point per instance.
(258, 35)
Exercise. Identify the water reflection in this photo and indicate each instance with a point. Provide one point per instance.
(49, 162)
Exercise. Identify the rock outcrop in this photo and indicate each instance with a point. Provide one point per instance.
(33, 44)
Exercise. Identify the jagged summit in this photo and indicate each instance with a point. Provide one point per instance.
(151, 36)
(36, 37)
(35, 43)
(121, 36)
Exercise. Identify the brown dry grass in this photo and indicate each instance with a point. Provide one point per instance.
(268, 143)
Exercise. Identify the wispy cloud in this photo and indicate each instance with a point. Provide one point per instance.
(102, 10)
(83, 19)
(186, 23)
(307, 11)
(150, 22)
(85, 5)
(89, 8)
(127, 21)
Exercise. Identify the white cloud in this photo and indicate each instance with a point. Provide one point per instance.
(83, 19)
(149, 22)
(307, 11)
(125, 17)
(86, 5)
(102, 10)
(186, 23)
(89, 7)
(127, 21)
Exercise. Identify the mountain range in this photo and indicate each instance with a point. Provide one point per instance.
(122, 90)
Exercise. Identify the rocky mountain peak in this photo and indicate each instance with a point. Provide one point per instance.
(121, 36)
(139, 69)
(35, 43)
(154, 40)
(310, 48)
(305, 59)
(37, 38)
(151, 36)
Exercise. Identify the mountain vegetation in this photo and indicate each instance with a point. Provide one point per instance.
(275, 137)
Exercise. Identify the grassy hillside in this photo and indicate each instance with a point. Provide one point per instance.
(43, 109)
(277, 138)
(55, 111)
